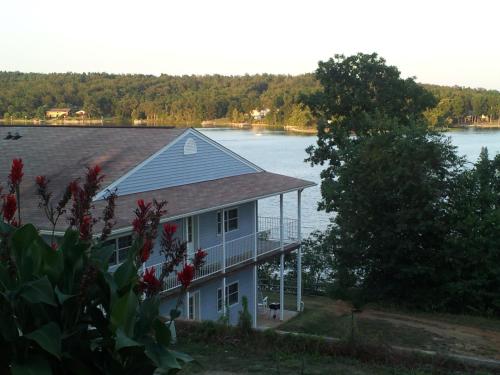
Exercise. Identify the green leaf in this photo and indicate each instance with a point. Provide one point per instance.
(48, 337)
(174, 314)
(162, 333)
(100, 256)
(148, 311)
(162, 357)
(123, 341)
(61, 297)
(36, 366)
(26, 251)
(125, 275)
(38, 291)
(52, 261)
(123, 312)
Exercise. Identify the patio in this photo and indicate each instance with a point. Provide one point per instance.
(265, 318)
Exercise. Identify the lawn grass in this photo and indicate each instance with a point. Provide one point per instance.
(322, 316)
(224, 350)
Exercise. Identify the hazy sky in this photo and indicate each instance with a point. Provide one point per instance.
(443, 42)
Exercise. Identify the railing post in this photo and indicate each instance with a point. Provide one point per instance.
(299, 250)
(282, 263)
(223, 230)
(255, 277)
(187, 305)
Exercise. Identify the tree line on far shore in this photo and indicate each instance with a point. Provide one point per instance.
(193, 99)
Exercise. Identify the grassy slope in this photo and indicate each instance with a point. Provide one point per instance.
(440, 332)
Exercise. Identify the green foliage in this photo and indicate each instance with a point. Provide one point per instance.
(387, 179)
(63, 312)
(166, 99)
(244, 317)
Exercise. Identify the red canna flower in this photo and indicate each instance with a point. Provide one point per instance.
(199, 258)
(170, 229)
(149, 283)
(186, 275)
(146, 250)
(86, 228)
(142, 214)
(16, 172)
(41, 181)
(9, 207)
(54, 246)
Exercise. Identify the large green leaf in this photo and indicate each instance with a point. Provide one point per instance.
(123, 312)
(48, 337)
(26, 251)
(162, 333)
(52, 261)
(61, 297)
(125, 275)
(123, 341)
(100, 256)
(148, 312)
(36, 366)
(162, 357)
(6, 282)
(38, 291)
(182, 356)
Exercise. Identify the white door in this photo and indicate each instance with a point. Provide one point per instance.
(194, 306)
(189, 235)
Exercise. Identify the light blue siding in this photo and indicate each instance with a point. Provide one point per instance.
(173, 167)
(208, 297)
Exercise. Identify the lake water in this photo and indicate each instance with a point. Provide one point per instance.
(284, 153)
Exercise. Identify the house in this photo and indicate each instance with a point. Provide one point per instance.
(80, 113)
(58, 112)
(259, 114)
(212, 193)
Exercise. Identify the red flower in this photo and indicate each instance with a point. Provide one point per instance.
(16, 172)
(86, 228)
(199, 258)
(54, 246)
(9, 207)
(149, 283)
(170, 229)
(142, 214)
(186, 275)
(41, 181)
(146, 250)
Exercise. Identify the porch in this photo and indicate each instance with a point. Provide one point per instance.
(252, 248)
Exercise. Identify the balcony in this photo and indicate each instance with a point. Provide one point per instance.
(247, 249)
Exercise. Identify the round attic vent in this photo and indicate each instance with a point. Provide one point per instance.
(190, 147)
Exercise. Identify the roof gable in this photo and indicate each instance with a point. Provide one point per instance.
(190, 158)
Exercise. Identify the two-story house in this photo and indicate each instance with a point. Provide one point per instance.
(212, 193)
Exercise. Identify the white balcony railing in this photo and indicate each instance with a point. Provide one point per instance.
(241, 249)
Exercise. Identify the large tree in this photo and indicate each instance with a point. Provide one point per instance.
(386, 177)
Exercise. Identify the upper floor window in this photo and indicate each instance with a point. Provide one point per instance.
(122, 245)
(231, 221)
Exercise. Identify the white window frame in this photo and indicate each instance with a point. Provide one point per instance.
(226, 221)
(118, 249)
(220, 307)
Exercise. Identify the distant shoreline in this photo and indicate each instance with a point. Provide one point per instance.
(113, 121)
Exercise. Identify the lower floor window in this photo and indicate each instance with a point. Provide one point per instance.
(232, 295)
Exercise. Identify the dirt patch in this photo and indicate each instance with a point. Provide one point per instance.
(457, 338)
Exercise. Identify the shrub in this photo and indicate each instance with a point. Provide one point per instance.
(244, 317)
(61, 310)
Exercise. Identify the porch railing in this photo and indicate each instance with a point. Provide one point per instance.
(241, 249)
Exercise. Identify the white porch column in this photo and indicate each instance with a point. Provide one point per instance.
(223, 230)
(255, 277)
(299, 250)
(187, 305)
(282, 262)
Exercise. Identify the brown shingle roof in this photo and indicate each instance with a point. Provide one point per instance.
(62, 153)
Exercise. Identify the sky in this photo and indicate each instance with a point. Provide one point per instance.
(439, 41)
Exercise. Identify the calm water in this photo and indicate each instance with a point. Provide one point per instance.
(284, 153)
